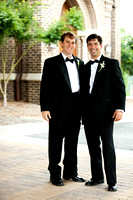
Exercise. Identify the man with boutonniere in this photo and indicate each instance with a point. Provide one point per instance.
(60, 106)
(103, 96)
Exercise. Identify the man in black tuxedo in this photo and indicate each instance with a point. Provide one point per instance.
(60, 106)
(103, 96)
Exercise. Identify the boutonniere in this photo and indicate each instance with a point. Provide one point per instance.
(102, 65)
(78, 63)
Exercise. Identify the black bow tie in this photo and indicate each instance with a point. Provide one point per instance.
(95, 61)
(71, 60)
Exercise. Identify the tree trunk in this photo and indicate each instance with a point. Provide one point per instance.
(5, 100)
(5, 94)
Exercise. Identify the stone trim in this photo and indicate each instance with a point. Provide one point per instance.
(25, 77)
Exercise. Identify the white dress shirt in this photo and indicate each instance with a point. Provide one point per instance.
(93, 73)
(73, 74)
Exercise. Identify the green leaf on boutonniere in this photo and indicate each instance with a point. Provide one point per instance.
(78, 63)
(102, 65)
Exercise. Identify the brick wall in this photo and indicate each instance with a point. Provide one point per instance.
(31, 62)
(30, 91)
(116, 39)
(10, 91)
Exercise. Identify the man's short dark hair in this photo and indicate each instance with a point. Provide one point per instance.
(70, 35)
(94, 36)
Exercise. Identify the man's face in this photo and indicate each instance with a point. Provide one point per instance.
(94, 48)
(68, 46)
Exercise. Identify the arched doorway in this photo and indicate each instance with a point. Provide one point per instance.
(64, 8)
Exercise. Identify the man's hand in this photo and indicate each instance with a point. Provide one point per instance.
(118, 114)
(46, 115)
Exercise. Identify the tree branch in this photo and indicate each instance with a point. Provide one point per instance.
(4, 58)
(14, 65)
(1, 90)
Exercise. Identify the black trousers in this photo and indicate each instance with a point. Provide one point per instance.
(100, 140)
(68, 130)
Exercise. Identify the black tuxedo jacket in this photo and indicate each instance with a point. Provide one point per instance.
(55, 93)
(108, 92)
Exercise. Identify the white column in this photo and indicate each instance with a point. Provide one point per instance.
(85, 55)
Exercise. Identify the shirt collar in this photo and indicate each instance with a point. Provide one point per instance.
(64, 56)
(98, 58)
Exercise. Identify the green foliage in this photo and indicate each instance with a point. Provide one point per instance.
(53, 34)
(126, 52)
(71, 19)
(16, 20)
(74, 17)
(125, 77)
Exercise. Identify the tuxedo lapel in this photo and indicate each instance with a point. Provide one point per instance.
(64, 71)
(98, 73)
(87, 75)
(88, 65)
(76, 61)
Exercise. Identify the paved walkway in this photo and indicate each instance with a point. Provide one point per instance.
(23, 161)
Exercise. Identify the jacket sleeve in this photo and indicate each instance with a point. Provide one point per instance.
(118, 85)
(45, 87)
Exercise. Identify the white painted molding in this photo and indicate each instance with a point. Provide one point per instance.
(31, 76)
(12, 77)
(25, 76)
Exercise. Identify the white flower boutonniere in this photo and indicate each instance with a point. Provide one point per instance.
(102, 65)
(78, 63)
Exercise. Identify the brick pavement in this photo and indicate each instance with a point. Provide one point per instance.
(19, 112)
(23, 165)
